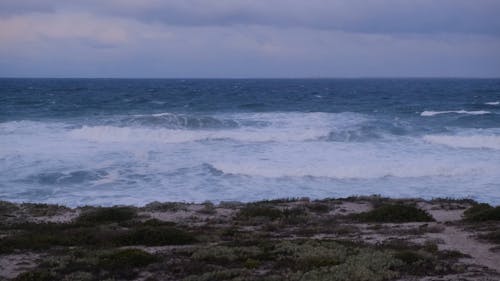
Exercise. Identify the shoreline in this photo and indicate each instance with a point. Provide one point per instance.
(294, 239)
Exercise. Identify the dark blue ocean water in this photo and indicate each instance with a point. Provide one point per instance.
(119, 141)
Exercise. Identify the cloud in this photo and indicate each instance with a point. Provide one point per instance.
(376, 16)
(240, 38)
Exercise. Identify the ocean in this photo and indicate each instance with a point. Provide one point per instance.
(132, 141)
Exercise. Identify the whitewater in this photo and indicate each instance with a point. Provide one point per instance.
(107, 142)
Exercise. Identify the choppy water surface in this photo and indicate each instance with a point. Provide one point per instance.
(99, 141)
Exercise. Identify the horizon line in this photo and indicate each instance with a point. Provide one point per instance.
(252, 78)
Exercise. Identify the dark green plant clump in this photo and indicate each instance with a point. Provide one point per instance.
(395, 213)
(453, 200)
(493, 236)
(47, 235)
(107, 215)
(166, 207)
(37, 275)
(124, 259)
(482, 212)
(85, 265)
(254, 211)
(6, 208)
(282, 200)
(318, 207)
(40, 209)
(156, 236)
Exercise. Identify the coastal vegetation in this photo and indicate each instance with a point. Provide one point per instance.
(395, 213)
(365, 238)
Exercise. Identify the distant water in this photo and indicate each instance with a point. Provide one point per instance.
(99, 141)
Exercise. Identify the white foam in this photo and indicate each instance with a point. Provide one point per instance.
(282, 127)
(272, 157)
(130, 134)
(28, 127)
(158, 114)
(348, 161)
(473, 141)
(433, 113)
(493, 103)
(358, 170)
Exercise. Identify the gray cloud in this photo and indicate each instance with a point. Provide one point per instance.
(245, 38)
(13, 7)
(376, 16)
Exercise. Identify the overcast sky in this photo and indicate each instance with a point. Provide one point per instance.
(250, 38)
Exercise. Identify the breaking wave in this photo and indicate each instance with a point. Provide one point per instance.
(242, 156)
(433, 113)
(178, 121)
(359, 169)
(473, 141)
(492, 103)
(130, 134)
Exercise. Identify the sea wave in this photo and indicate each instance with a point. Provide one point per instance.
(367, 131)
(472, 141)
(177, 121)
(492, 103)
(74, 177)
(366, 170)
(433, 113)
(252, 127)
(131, 134)
(31, 128)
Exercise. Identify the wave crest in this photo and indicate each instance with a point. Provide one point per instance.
(360, 170)
(131, 134)
(178, 121)
(473, 141)
(433, 113)
(492, 103)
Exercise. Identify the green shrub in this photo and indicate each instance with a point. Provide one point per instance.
(223, 254)
(252, 263)
(157, 222)
(395, 213)
(451, 254)
(366, 265)
(309, 254)
(280, 200)
(453, 200)
(46, 235)
(40, 209)
(318, 207)
(295, 215)
(166, 206)
(431, 246)
(408, 256)
(493, 236)
(107, 215)
(36, 275)
(227, 274)
(482, 212)
(7, 208)
(253, 211)
(125, 259)
(156, 236)
(208, 208)
(79, 276)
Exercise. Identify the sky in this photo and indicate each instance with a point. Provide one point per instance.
(249, 38)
